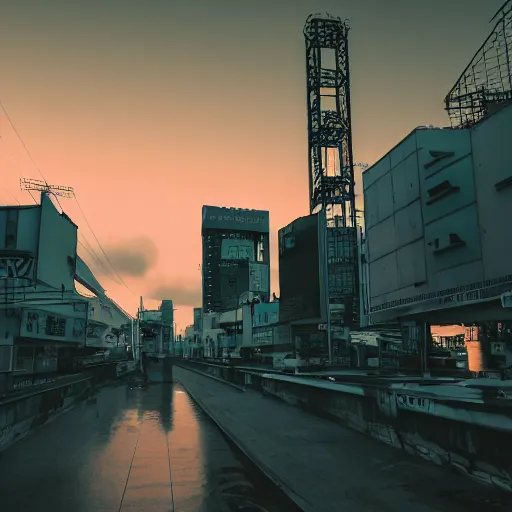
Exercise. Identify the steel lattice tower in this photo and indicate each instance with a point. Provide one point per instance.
(486, 83)
(331, 166)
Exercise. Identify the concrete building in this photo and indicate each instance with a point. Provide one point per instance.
(236, 256)
(253, 325)
(303, 301)
(43, 319)
(444, 196)
(327, 293)
(157, 328)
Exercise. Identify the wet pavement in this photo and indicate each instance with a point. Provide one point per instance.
(133, 449)
(327, 467)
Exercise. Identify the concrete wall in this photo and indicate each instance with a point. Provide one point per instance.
(492, 158)
(19, 416)
(85, 277)
(409, 422)
(57, 247)
(470, 437)
(28, 229)
(470, 432)
(443, 196)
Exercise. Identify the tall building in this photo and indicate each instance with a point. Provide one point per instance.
(236, 256)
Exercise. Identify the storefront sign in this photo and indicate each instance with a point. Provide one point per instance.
(49, 326)
(473, 292)
(17, 267)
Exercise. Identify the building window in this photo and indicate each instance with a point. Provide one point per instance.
(331, 248)
(260, 251)
(11, 229)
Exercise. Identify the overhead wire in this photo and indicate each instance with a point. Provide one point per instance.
(74, 195)
(21, 140)
(15, 163)
(9, 192)
(101, 247)
(97, 260)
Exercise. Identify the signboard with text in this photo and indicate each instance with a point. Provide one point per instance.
(215, 217)
(16, 266)
(49, 326)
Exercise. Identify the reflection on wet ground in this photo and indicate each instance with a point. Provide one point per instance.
(133, 448)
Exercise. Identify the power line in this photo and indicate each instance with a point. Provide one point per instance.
(32, 196)
(21, 140)
(9, 192)
(101, 248)
(94, 256)
(15, 163)
(76, 199)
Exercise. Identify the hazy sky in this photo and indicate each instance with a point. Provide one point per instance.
(150, 109)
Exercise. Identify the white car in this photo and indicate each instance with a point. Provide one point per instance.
(291, 363)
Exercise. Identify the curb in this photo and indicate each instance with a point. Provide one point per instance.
(235, 386)
(302, 503)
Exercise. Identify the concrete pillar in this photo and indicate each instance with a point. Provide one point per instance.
(477, 356)
(425, 343)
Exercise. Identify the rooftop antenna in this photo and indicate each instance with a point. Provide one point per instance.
(45, 188)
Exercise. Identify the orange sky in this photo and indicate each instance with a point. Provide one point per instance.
(152, 109)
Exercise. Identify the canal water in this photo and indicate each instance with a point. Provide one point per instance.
(134, 448)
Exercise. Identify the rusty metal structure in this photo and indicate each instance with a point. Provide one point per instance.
(331, 167)
(486, 84)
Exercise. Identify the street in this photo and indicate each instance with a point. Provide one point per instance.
(133, 449)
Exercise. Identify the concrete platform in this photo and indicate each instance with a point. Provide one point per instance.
(325, 467)
(133, 448)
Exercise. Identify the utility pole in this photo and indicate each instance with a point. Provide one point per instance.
(133, 340)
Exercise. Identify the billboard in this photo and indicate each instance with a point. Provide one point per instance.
(235, 219)
(434, 207)
(46, 325)
(300, 269)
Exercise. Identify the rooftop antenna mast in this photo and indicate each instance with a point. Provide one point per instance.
(43, 187)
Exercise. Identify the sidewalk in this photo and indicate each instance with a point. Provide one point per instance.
(325, 467)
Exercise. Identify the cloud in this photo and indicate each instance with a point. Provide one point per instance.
(178, 294)
(133, 257)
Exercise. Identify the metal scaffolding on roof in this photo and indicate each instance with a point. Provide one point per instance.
(486, 84)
